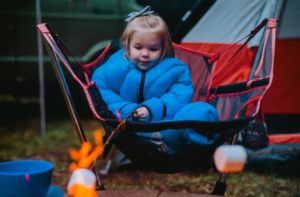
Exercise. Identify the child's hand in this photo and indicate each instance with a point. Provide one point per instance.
(142, 114)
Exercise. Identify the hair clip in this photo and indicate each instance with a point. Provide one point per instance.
(144, 12)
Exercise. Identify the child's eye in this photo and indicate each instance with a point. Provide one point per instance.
(138, 47)
(153, 49)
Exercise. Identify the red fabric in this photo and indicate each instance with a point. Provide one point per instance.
(226, 72)
(284, 138)
(284, 96)
(201, 74)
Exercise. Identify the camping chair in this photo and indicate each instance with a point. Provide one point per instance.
(238, 103)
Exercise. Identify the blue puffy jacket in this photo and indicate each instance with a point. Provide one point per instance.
(167, 86)
(167, 93)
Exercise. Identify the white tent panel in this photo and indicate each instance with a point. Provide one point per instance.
(289, 25)
(229, 20)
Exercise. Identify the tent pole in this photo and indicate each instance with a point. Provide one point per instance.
(41, 71)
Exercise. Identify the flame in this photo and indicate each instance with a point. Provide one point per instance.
(79, 190)
(87, 154)
(84, 158)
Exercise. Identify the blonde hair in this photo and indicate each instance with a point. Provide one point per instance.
(149, 23)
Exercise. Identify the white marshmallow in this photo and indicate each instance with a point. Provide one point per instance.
(230, 158)
(82, 176)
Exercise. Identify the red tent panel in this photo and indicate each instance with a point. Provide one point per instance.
(226, 71)
(284, 95)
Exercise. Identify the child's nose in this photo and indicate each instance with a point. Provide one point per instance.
(145, 53)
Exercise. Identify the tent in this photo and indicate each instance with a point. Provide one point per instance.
(227, 21)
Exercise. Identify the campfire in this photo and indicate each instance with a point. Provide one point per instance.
(83, 179)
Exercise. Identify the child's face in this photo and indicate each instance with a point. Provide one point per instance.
(145, 49)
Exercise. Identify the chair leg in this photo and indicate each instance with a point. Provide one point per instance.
(220, 186)
(99, 184)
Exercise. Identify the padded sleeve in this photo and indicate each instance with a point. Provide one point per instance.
(109, 88)
(178, 94)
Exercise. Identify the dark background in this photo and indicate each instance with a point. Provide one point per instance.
(82, 26)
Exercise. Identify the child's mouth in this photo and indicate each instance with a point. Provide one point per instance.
(144, 63)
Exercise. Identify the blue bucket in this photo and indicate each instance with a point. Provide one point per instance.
(24, 178)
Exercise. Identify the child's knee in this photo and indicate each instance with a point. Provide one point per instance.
(197, 111)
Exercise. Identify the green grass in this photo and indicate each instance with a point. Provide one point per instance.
(22, 140)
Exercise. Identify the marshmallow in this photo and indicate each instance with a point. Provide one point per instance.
(230, 158)
(83, 177)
